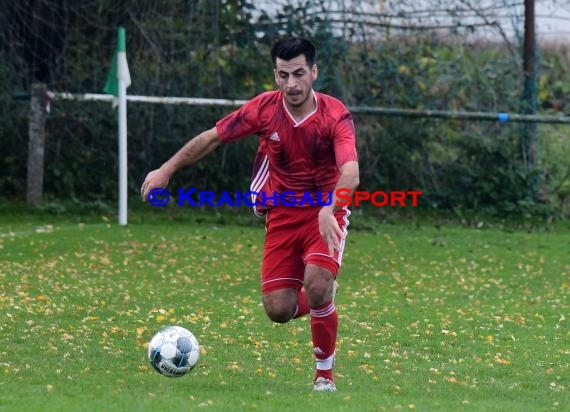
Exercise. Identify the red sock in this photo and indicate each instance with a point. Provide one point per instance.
(324, 325)
(302, 305)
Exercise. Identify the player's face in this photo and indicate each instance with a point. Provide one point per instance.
(295, 79)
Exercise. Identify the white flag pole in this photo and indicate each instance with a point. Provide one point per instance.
(118, 81)
(123, 81)
(122, 152)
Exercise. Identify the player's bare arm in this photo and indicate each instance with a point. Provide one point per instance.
(328, 226)
(194, 150)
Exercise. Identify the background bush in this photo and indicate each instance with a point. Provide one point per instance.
(220, 49)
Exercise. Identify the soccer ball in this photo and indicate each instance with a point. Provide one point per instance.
(173, 351)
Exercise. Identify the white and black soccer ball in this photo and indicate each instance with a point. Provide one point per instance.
(173, 351)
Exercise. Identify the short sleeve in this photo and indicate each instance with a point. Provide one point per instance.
(345, 140)
(241, 122)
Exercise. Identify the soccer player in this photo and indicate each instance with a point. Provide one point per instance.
(307, 146)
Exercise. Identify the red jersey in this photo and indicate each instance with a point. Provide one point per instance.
(300, 157)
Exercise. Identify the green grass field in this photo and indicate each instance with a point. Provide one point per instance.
(432, 318)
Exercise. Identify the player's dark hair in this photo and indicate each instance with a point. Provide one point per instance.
(289, 48)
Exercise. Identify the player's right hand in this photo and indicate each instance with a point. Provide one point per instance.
(329, 229)
(157, 178)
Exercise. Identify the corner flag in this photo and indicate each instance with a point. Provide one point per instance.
(117, 82)
(119, 66)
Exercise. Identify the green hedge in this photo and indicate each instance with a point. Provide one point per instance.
(196, 49)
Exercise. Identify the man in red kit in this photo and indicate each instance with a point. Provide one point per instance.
(307, 145)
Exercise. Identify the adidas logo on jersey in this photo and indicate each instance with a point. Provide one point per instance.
(275, 137)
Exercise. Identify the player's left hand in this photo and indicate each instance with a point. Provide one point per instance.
(329, 229)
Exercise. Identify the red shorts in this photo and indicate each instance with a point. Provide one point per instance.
(292, 240)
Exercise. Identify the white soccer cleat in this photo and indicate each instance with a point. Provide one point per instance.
(324, 385)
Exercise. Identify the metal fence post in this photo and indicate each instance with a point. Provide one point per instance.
(36, 144)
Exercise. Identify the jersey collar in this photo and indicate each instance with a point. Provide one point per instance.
(298, 123)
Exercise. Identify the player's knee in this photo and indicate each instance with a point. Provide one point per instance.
(319, 295)
(279, 315)
(278, 309)
(319, 283)
(319, 291)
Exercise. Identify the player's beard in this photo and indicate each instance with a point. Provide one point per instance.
(297, 100)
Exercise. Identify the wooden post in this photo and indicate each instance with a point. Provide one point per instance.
(530, 88)
(36, 144)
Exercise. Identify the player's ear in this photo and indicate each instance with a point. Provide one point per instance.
(275, 77)
(314, 72)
